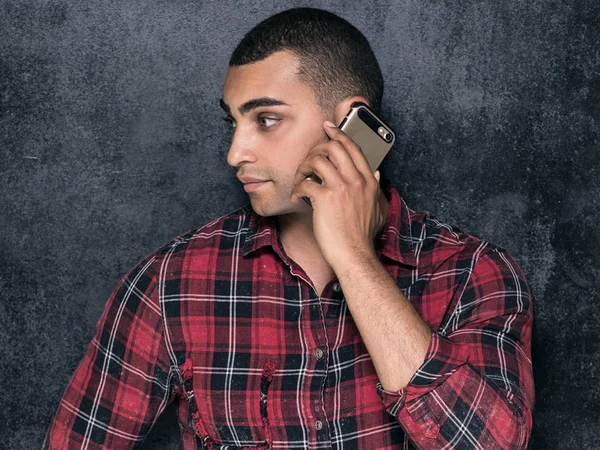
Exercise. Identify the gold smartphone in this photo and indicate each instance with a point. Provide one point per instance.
(373, 135)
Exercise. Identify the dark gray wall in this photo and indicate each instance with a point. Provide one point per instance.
(111, 143)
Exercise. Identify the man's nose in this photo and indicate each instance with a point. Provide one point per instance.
(241, 151)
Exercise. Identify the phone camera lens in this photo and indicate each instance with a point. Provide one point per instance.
(385, 134)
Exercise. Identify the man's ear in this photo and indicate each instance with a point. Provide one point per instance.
(343, 107)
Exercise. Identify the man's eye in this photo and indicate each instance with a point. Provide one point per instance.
(267, 122)
(230, 121)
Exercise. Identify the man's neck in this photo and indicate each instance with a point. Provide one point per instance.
(296, 230)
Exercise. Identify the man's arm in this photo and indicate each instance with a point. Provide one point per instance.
(473, 386)
(122, 384)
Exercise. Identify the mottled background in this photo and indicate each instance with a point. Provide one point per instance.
(111, 143)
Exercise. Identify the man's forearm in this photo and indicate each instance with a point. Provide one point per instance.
(394, 333)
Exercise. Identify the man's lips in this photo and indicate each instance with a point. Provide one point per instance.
(251, 184)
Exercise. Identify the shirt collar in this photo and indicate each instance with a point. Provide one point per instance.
(394, 240)
(262, 231)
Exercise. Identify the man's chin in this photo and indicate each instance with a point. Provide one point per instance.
(270, 210)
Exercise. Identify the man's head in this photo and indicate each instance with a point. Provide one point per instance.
(290, 73)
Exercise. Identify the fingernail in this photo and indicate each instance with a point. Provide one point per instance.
(329, 124)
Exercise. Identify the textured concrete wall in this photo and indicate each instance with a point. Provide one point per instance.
(111, 143)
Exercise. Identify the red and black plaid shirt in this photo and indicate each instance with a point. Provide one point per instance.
(222, 321)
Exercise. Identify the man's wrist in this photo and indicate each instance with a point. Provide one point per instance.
(355, 261)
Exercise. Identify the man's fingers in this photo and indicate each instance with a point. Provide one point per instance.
(306, 188)
(319, 165)
(335, 152)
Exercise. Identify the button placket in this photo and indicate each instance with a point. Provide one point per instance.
(319, 351)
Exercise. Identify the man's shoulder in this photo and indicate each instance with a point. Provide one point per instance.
(204, 238)
(436, 241)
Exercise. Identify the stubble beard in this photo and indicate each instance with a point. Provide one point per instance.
(281, 203)
(278, 203)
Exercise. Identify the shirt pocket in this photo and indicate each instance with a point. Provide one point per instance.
(234, 419)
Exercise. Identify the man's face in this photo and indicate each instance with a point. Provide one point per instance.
(276, 121)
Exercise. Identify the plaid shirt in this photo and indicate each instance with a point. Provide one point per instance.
(222, 321)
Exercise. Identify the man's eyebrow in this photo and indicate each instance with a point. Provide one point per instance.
(253, 104)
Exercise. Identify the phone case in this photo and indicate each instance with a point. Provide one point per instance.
(364, 127)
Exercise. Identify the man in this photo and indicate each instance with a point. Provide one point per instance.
(356, 323)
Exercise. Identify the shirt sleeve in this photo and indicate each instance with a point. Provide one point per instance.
(475, 388)
(123, 382)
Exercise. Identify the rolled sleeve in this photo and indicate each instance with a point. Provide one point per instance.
(475, 386)
(442, 359)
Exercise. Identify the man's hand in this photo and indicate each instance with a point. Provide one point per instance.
(346, 210)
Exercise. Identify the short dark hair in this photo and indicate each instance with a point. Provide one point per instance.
(335, 58)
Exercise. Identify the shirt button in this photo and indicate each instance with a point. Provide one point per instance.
(319, 353)
(337, 287)
(318, 425)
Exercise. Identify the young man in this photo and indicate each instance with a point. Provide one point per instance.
(356, 323)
